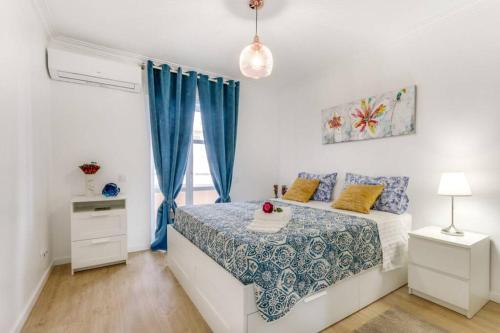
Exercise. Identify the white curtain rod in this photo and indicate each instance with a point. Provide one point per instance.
(173, 69)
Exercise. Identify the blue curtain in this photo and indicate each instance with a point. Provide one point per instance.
(219, 115)
(172, 98)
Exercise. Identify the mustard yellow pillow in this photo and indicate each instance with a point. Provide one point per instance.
(358, 198)
(302, 190)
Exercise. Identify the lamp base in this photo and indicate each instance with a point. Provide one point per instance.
(452, 231)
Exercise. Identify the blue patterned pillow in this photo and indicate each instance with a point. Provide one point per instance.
(327, 183)
(393, 199)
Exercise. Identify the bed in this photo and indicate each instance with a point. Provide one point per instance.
(325, 265)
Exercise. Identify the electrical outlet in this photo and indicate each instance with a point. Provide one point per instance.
(44, 253)
(122, 178)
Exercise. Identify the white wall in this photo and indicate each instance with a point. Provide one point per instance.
(257, 150)
(25, 159)
(455, 64)
(107, 126)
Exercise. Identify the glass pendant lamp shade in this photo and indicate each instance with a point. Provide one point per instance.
(256, 60)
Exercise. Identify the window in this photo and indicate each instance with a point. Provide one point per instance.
(197, 186)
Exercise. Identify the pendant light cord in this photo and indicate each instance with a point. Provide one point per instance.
(256, 14)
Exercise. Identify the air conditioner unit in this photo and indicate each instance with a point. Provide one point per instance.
(83, 69)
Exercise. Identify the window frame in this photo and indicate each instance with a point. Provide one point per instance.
(189, 190)
(189, 187)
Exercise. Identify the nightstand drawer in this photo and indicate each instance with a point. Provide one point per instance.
(453, 260)
(90, 225)
(443, 287)
(94, 252)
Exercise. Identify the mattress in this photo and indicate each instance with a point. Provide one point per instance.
(316, 249)
(393, 231)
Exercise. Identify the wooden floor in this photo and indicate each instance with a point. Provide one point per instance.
(144, 297)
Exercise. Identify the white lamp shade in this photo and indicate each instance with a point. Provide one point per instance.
(256, 60)
(454, 183)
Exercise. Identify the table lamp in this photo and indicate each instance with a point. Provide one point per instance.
(453, 184)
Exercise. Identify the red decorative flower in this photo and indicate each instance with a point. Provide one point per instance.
(267, 207)
(90, 168)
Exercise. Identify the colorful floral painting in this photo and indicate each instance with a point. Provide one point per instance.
(388, 114)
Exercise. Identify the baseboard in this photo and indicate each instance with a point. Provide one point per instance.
(495, 296)
(137, 248)
(21, 320)
(61, 261)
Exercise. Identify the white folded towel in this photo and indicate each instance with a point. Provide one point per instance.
(283, 216)
(270, 222)
(266, 226)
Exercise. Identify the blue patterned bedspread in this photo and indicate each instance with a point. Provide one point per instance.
(315, 250)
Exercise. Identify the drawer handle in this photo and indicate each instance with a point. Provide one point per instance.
(99, 214)
(315, 296)
(100, 241)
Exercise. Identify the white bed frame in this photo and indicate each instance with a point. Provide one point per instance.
(228, 306)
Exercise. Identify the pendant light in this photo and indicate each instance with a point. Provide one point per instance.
(256, 60)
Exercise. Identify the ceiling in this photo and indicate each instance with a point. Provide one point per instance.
(304, 36)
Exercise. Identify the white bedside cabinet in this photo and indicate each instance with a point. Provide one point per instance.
(451, 271)
(98, 231)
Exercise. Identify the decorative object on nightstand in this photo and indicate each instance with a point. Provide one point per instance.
(98, 231)
(453, 184)
(275, 189)
(284, 189)
(90, 169)
(451, 271)
(110, 190)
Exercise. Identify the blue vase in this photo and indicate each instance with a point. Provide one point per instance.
(110, 190)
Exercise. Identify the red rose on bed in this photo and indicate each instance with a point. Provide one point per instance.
(267, 207)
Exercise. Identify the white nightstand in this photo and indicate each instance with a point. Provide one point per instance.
(98, 231)
(451, 271)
